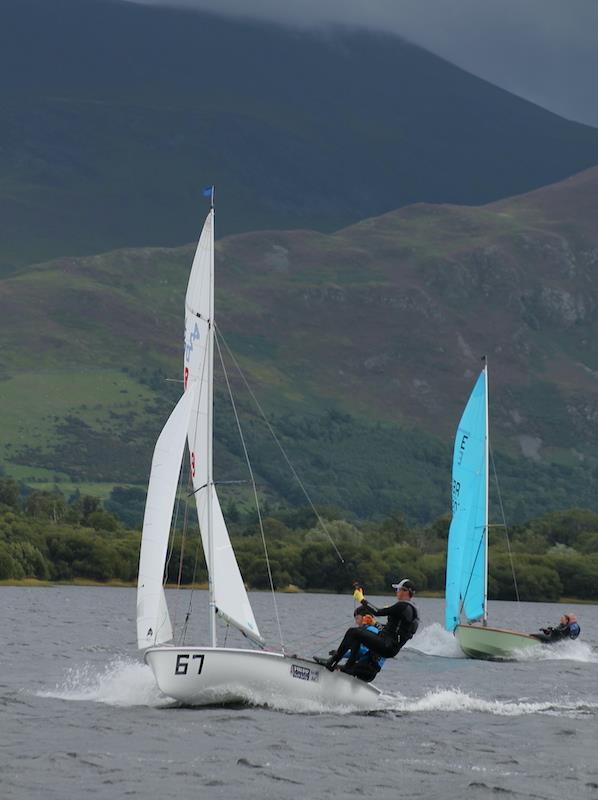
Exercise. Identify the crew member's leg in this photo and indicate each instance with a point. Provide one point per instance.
(365, 670)
(352, 641)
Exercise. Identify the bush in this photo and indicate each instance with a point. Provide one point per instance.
(538, 583)
(9, 492)
(32, 562)
(9, 566)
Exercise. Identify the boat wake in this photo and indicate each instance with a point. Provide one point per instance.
(128, 683)
(561, 651)
(122, 682)
(456, 700)
(434, 640)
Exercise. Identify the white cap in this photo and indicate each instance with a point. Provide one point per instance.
(404, 584)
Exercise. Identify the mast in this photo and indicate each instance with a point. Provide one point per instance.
(210, 436)
(486, 490)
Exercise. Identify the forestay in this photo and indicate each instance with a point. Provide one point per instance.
(230, 596)
(153, 621)
(467, 552)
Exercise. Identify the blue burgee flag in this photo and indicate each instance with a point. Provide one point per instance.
(208, 192)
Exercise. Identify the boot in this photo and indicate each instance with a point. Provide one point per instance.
(332, 661)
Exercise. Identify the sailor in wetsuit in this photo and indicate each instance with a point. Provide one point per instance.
(368, 664)
(401, 625)
(568, 629)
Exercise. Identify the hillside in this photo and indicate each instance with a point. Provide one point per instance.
(115, 114)
(362, 345)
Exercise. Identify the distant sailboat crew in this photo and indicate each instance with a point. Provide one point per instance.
(568, 628)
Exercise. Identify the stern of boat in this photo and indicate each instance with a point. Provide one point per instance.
(493, 644)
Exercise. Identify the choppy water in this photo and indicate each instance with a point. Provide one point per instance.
(81, 714)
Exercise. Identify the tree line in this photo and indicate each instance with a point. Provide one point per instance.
(47, 536)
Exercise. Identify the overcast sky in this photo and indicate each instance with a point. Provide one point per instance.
(543, 50)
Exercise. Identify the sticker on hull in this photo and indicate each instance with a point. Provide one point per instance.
(304, 673)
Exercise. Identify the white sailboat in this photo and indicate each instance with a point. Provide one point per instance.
(211, 674)
(467, 557)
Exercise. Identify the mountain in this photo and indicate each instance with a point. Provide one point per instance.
(114, 115)
(362, 346)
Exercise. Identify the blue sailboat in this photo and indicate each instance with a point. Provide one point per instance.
(466, 597)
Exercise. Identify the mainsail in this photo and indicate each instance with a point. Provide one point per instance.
(227, 588)
(466, 568)
(153, 621)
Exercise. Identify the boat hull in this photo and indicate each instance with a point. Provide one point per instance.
(493, 644)
(200, 676)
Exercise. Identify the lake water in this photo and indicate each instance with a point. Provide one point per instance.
(81, 715)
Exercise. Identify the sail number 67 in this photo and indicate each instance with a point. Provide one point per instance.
(182, 663)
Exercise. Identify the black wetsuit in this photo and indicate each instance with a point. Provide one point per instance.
(365, 669)
(563, 631)
(368, 664)
(400, 627)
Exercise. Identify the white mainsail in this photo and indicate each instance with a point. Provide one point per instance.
(228, 594)
(153, 621)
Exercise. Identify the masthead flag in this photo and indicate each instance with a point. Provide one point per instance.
(208, 191)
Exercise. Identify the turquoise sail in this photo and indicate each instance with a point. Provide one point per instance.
(466, 556)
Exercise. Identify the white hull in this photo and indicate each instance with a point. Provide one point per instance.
(493, 644)
(200, 676)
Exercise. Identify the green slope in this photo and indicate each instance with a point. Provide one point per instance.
(362, 346)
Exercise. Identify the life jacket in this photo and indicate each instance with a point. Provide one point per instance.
(366, 655)
(574, 630)
(407, 630)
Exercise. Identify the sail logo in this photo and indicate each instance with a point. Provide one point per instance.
(194, 337)
(462, 448)
(455, 493)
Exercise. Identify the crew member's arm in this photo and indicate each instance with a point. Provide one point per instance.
(378, 612)
(561, 632)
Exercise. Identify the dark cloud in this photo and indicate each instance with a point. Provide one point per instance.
(543, 50)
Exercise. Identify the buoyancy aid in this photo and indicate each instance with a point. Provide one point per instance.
(408, 629)
(574, 630)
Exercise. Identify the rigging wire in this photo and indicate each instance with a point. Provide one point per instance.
(173, 530)
(182, 552)
(473, 566)
(329, 636)
(504, 520)
(193, 577)
(281, 448)
(172, 537)
(257, 505)
(190, 605)
(177, 596)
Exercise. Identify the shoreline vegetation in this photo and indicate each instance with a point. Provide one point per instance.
(47, 540)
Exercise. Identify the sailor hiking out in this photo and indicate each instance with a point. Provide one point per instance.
(402, 623)
(567, 629)
(368, 664)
